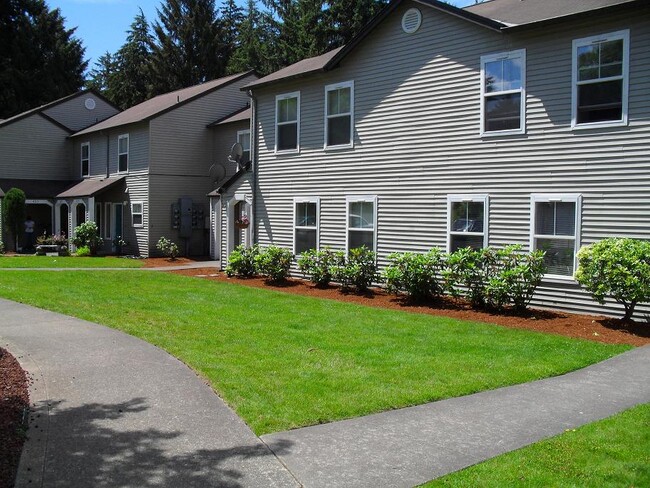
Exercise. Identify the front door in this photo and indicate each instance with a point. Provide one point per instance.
(118, 230)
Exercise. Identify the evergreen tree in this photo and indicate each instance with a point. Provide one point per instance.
(40, 60)
(187, 49)
(346, 18)
(232, 17)
(101, 76)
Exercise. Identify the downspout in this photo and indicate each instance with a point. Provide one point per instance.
(253, 130)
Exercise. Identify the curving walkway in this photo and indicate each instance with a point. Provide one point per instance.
(112, 410)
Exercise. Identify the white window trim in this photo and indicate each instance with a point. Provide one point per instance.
(329, 88)
(81, 152)
(128, 143)
(612, 36)
(469, 197)
(557, 197)
(360, 198)
(133, 213)
(248, 133)
(286, 96)
(315, 200)
(519, 53)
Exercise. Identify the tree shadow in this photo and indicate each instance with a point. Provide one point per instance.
(99, 444)
(630, 326)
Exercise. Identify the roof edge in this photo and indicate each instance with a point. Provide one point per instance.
(229, 182)
(225, 117)
(55, 122)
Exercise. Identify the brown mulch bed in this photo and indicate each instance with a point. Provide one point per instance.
(161, 262)
(591, 327)
(14, 401)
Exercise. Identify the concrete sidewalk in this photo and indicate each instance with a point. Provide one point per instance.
(111, 410)
(407, 447)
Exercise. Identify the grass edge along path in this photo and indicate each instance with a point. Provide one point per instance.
(14, 262)
(284, 361)
(610, 452)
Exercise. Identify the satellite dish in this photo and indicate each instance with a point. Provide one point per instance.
(236, 153)
(217, 172)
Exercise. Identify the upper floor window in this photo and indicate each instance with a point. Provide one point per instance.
(305, 222)
(600, 79)
(339, 115)
(244, 138)
(123, 153)
(555, 229)
(467, 221)
(85, 159)
(503, 94)
(362, 222)
(287, 122)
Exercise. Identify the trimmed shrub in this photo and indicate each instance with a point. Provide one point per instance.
(359, 269)
(274, 263)
(2, 247)
(518, 275)
(87, 235)
(13, 212)
(241, 261)
(83, 252)
(417, 274)
(468, 273)
(317, 265)
(616, 267)
(164, 245)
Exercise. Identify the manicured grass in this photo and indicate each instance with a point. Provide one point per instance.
(67, 262)
(285, 361)
(613, 452)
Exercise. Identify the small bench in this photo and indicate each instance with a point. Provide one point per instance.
(51, 250)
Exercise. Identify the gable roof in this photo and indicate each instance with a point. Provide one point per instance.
(162, 103)
(497, 15)
(42, 108)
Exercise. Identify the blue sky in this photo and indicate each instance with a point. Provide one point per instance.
(102, 24)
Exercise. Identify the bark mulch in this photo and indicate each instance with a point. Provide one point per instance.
(14, 402)
(591, 327)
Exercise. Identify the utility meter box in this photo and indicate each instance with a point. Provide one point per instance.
(185, 229)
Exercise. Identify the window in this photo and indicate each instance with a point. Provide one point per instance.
(600, 79)
(305, 224)
(339, 115)
(467, 221)
(503, 94)
(555, 230)
(287, 121)
(244, 138)
(85, 159)
(123, 153)
(137, 210)
(361, 218)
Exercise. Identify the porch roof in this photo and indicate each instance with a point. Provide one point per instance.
(90, 187)
(36, 189)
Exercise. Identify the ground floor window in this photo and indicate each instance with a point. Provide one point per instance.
(137, 214)
(305, 224)
(361, 222)
(467, 221)
(555, 227)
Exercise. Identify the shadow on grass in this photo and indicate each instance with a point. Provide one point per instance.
(105, 445)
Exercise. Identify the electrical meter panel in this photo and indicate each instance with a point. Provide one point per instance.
(185, 229)
(187, 216)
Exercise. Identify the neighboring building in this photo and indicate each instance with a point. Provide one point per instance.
(36, 153)
(146, 172)
(508, 122)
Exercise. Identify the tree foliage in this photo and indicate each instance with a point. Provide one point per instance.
(13, 212)
(40, 60)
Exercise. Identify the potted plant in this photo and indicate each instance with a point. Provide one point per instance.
(119, 243)
(242, 222)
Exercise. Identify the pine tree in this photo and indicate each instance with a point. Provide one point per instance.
(187, 49)
(100, 77)
(40, 60)
(347, 18)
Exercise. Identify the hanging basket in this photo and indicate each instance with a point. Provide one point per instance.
(240, 225)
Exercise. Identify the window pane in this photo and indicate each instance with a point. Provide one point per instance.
(288, 109)
(137, 219)
(493, 76)
(504, 74)
(512, 74)
(85, 152)
(338, 101)
(245, 141)
(123, 144)
(599, 102)
(462, 241)
(137, 208)
(555, 218)
(338, 131)
(467, 216)
(306, 214)
(305, 240)
(123, 162)
(559, 255)
(287, 136)
(84, 167)
(588, 58)
(503, 112)
(362, 215)
(361, 238)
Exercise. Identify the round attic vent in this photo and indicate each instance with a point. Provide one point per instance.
(412, 20)
(89, 103)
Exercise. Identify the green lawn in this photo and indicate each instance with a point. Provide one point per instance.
(614, 452)
(67, 262)
(285, 361)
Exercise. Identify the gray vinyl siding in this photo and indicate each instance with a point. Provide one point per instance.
(137, 183)
(74, 115)
(417, 140)
(35, 148)
(224, 136)
(139, 150)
